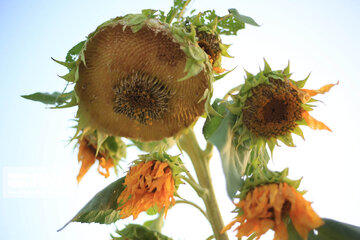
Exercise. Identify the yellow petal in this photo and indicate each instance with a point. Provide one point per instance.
(306, 94)
(218, 70)
(105, 164)
(228, 227)
(313, 123)
(321, 90)
(86, 156)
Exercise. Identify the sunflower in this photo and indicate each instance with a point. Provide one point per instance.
(150, 182)
(269, 207)
(270, 107)
(131, 80)
(108, 154)
(211, 43)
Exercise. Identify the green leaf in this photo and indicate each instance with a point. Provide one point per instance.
(234, 160)
(47, 98)
(331, 230)
(301, 83)
(208, 20)
(152, 211)
(69, 65)
(218, 77)
(102, 208)
(213, 122)
(139, 232)
(287, 140)
(286, 71)
(70, 77)
(150, 13)
(74, 52)
(149, 223)
(334, 230)
(267, 68)
(292, 233)
(101, 137)
(116, 148)
(242, 18)
(299, 132)
(175, 10)
(73, 102)
(229, 26)
(192, 68)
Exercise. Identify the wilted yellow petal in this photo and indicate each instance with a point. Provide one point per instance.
(313, 123)
(86, 156)
(282, 201)
(105, 164)
(218, 70)
(304, 217)
(228, 227)
(146, 185)
(321, 90)
(306, 94)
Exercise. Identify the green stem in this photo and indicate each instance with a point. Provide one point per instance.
(198, 189)
(158, 223)
(200, 160)
(194, 205)
(183, 9)
(180, 14)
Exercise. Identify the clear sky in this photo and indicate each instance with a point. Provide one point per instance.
(38, 190)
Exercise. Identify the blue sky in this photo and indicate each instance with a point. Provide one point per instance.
(38, 191)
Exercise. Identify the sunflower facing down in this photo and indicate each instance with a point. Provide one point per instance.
(108, 154)
(131, 80)
(270, 106)
(150, 182)
(271, 206)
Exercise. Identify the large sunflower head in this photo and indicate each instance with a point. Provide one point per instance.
(270, 106)
(131, 78)
(270, 203)
(150, 183)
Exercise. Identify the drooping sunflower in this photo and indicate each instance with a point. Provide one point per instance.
(131, 79)
(270, 107)
(269, 200)
(108, 154)
(150, 183)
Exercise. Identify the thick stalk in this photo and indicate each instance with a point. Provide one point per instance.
(200, 160)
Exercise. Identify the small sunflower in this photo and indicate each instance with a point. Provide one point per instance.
(108, 154)
(211, 43)
(270, 106)
(151, 182)
(269, 207)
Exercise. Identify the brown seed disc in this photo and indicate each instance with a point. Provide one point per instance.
(272, 110)
(129, 85)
